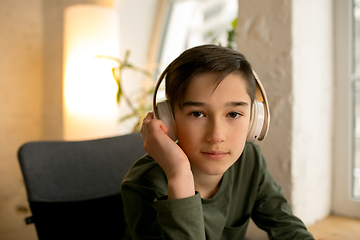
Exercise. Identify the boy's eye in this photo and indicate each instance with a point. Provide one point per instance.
(234, 115)
(197, 114)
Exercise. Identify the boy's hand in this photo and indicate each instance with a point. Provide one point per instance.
(169, 156)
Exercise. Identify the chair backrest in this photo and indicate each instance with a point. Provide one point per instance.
(73, 188)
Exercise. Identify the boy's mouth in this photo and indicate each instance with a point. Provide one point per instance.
(215, 154)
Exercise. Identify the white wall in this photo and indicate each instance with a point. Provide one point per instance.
(289, 44)
(264, 37)
(312, 76)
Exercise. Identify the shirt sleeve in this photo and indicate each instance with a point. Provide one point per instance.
(273, 213)
(181, 218)
(140, 214)
(161, 218)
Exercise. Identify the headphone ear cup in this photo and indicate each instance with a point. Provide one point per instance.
(256, 121)
(166, 115)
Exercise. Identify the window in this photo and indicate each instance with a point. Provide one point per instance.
(356, 100)
(194, 22)
(346, 194)
(189, 23)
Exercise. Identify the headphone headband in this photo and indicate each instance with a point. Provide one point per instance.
(155, 111)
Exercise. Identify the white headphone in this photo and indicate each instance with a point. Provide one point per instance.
(259, 120)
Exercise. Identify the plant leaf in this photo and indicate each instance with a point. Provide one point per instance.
(234, 23)
(119, 92)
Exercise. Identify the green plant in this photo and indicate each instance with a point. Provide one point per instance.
(231, 35)
(231, 41)
(139, 105)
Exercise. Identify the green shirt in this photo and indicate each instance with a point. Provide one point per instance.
(247, 191)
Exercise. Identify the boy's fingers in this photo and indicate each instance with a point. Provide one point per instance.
(149, 116)
(146, 120)
(150, 124)
(163, 127)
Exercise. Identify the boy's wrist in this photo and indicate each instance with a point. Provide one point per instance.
(181, 185)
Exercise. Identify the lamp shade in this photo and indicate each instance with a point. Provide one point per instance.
(90, 109)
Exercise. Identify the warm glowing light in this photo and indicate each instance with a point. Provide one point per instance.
(90, 109)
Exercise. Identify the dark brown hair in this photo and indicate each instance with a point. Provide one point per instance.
(206, 59)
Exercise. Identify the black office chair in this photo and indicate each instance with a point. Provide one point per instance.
(73, 188)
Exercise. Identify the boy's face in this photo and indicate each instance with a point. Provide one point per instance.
(212, 125)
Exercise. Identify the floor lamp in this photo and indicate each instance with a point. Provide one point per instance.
(89, 108)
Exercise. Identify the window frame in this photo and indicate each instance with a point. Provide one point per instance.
(343, 203)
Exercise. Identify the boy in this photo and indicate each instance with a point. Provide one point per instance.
(212, 181)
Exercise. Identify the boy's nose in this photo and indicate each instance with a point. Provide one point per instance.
(216, 132)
